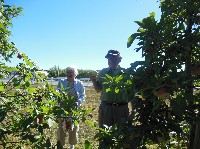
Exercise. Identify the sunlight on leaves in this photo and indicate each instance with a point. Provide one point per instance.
(108, 90)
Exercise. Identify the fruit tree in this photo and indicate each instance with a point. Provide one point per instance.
(166, 83)
(28, 108)
(165, 86)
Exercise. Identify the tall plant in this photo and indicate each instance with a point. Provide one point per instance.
(28, 104)
(166, 80)
(165, 86)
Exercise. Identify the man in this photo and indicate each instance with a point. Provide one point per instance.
(114, 104)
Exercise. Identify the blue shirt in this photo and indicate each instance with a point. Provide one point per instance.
(79, 89)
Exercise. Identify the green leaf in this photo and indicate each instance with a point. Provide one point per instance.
(27, 83)
(136, 63)
(128, 82)
(87, 145)
(91, 123)
(119, 78)
(177, 108)
(139, 23)
(131, 39)
(116, 90)
(152, 14)
(141, 30)
(27, 61)
(40, 129)
(2, 27)
(89, 110)
(3, 114)
(45, 109)
(108, 90)
(27, 122)
(31, 138)
(16, 82)
(48, 144)
(109, 77)
(30, 110)
(2, 88)
(31, 90)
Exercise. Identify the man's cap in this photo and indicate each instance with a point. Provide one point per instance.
(112, 53)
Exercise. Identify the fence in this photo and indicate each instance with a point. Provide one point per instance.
(54, 81)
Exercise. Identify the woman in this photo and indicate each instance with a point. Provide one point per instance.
(76, 91)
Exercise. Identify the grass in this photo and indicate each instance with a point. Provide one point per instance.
(87, 132)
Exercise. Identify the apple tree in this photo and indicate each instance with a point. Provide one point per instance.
(165, 86)
(166, 83)
(29, 105)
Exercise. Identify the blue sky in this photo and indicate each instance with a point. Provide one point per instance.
(78, 32)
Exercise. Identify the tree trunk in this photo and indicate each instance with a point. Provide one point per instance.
(197, 137)
(189, 83)
(189, 99)
(192, 134)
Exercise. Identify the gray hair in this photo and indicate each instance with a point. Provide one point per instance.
(72, 68)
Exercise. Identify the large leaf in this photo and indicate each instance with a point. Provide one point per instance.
(1, 87)
(131, 39)
(87, 145)
(3, 114)
(31, 90)
(177, 108)
(136, 63)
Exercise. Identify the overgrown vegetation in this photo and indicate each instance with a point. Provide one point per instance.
(164, 89)
(27, 108)
(57, 72)
(166, 108)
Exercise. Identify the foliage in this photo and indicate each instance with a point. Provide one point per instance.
(26, 107)
(53, 72)
(83, 73)
(163, 84)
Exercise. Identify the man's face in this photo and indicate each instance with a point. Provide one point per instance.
(70, 75)
(113, 61)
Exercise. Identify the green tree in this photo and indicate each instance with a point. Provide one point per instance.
(166, 103)
(83, 73)
(26, 108)
(53, 72)
(166, 80)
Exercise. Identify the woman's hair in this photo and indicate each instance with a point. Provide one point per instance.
(72, 68)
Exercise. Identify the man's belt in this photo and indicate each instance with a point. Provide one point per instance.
(115, 104)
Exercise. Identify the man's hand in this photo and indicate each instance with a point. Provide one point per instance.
(93, 75)
(93, 78)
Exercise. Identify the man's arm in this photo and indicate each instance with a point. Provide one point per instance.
(96, 85)
(93, 78)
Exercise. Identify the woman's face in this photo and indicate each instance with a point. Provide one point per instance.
(70, 75)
